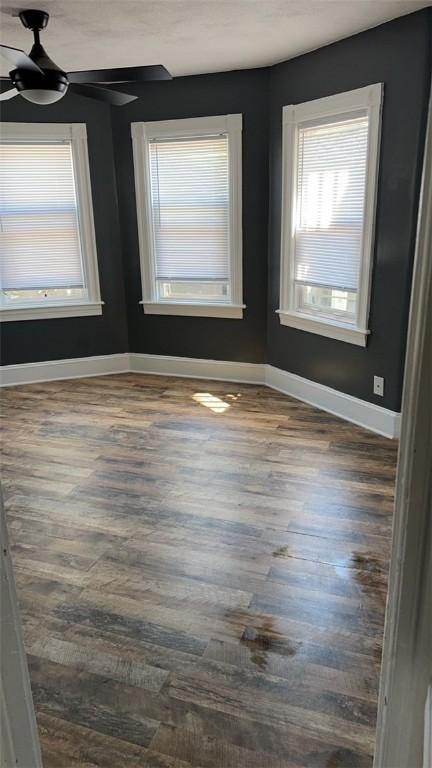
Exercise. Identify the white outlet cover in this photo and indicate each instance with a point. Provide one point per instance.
(378, 385)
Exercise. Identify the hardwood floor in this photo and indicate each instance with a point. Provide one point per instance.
(201, 569)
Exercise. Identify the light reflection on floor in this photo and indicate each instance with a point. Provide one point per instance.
(211, 401)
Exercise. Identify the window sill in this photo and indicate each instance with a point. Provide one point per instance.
(45, 312)
(233, 311)
(323, 328)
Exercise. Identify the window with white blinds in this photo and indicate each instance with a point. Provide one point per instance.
(43, 200)
(330, 159)
(185, 178)
(331, 180)
(190, 211)
(39, 218)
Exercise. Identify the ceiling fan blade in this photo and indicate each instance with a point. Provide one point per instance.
(9, 94)
(102, 94)
(19, 59)
(121, 75)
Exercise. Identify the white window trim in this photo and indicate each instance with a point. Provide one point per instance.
(77, 134)
(142, 133)
(369, 98)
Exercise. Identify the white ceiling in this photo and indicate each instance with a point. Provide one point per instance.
(193, 36)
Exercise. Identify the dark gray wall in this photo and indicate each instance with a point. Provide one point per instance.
(36, 340)
(232, 92)
(396, 54)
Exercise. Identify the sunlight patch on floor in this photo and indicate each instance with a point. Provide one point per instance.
(211, 401)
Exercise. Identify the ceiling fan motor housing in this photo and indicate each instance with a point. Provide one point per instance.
(53, 84)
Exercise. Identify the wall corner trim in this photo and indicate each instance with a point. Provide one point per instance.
(364, 414)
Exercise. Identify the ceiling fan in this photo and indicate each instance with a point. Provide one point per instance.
(38, 79)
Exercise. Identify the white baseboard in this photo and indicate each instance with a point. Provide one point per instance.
(195, 367)
(54, 370)
(360, 412)
(368, 415)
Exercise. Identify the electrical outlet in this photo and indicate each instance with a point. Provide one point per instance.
(378, 386)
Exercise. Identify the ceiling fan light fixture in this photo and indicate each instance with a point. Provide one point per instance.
(41, 89)
(42, 95)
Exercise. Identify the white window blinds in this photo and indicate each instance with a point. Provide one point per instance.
(40, 241)
(190, 208)
(331, 180)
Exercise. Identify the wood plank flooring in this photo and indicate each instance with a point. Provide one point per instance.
(201, 569)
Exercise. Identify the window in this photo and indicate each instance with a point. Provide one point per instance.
(48, 250)
(330, 158)
(188, 190)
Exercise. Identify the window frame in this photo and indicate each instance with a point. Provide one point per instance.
(76, 133)
(142, 133)
(369, 99)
